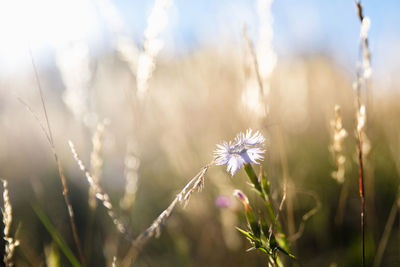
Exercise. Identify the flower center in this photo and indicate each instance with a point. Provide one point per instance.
(238, 149)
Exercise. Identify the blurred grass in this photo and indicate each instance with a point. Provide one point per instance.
(194, 103)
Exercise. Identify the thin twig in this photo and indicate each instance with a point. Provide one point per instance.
(42, 127)
(41, 97)
(307, 215)
(49, 136)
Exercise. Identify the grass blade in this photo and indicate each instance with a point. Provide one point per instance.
(56, 236)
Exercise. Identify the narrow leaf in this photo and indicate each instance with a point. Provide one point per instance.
(56, 236)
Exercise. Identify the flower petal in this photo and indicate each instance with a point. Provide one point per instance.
(234, 164)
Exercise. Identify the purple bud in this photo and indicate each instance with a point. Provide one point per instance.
(223, 202)
(239, 194)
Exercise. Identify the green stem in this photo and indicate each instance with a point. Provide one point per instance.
(253, 178)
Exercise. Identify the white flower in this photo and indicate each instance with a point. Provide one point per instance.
(247, 148)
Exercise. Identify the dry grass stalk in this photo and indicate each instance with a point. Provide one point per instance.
(263, 59)
(128, 52)
(195, 184)
(73, 63)
(307, 215)
(339, 134)
(266, 55)
(10, 243)
(100, 195)
(96, 161)
(361, 118)
(287, 192)
(48, 133)
(388, 229)
(364, 70)
(123, 43)
(114, 262)
(364, 43)
(61, 175)
(253, 93)
(156, 23)
(284, 195)
(154, 230)
(363, 75)
(132, 163)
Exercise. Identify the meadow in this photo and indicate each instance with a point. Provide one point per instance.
(144, 124)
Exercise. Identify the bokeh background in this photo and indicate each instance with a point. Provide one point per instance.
(86, 54)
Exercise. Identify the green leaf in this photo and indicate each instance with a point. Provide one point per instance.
(255, 227)
(56, 236)
(248, 234)
(263, 249)
(264, 226)
(285, 252)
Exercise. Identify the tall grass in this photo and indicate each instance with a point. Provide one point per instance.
(163, 125)
(362, 81)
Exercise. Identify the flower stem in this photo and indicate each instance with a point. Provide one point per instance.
(264, 194)
(253, 178)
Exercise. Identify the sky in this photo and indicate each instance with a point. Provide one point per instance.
(300, 27)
